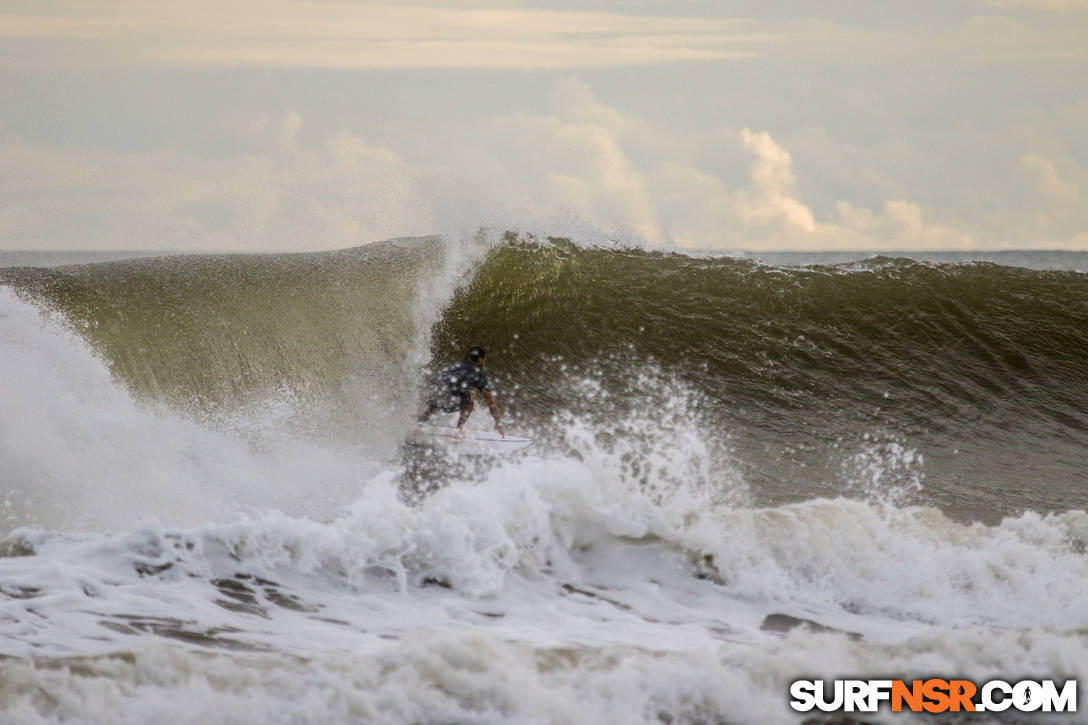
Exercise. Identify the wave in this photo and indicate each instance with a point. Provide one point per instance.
(583, 529)
(208, 332)
(743, 474)
(982, 369)
(459, 676)
(935, 345)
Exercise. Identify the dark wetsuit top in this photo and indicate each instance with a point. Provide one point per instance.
(452, 388)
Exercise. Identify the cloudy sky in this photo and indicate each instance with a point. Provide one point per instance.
(724, 124)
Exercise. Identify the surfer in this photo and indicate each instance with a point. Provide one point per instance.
(454, 389)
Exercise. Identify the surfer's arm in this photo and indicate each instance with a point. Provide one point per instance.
(494, 408)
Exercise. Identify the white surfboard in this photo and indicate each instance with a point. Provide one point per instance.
(472, 442)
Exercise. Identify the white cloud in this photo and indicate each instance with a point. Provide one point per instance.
(900, 225)
(286, 197)
(1055, 198)
(584, 167)
(772, 201)
(698, 206)
(1060, 193)
(568, 169)
(578, 164)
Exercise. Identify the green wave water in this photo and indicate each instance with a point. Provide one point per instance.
(980, 368)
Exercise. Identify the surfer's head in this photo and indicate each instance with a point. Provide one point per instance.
(476, 355)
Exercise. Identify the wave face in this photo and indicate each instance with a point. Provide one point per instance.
(744, 474)
(207, 332)
(189, 387)
(983, 367)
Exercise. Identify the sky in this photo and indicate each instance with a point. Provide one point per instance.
(270, 125)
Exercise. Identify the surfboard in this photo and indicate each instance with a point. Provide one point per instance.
(473, 442)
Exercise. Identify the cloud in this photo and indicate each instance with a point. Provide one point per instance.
(900, 225)
(579, 163)
(1060, 193)
(348, 34)
(584, 167)
(285, 196)
(772, 200)
(568, 170)
(588, 168)
(1054, 196)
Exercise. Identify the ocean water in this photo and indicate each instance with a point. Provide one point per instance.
(747, 471)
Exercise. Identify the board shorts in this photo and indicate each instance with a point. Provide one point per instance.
(451, 389)
(449, 402)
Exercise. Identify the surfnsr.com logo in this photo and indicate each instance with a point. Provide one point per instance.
(933, 695)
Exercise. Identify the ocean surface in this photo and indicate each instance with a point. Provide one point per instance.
(749, 469)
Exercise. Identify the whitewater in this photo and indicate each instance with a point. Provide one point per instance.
(746, 473)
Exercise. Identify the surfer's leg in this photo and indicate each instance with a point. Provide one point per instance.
(431, 408)
(466, 409)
